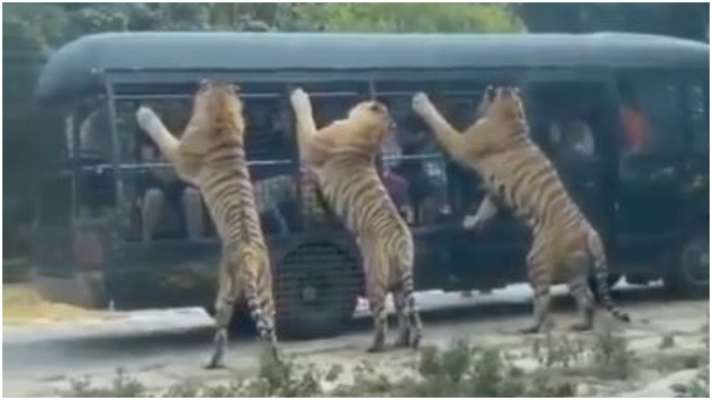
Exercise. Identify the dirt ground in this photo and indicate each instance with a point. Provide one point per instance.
(162, 348)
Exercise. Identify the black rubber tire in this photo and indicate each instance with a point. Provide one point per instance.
(688, 273)
(316, 289)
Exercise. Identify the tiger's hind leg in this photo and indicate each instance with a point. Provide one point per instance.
(579, 289)
(375, 265)
(404, 326)
(413, 332)
(377, 293)
(542, 300)
(258, 293)
(415, 323)
(377, 303)
(228, 292)
(540, 279)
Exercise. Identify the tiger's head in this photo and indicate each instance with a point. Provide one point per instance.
(501, 121)
(217, 110)
(503, 105)
(373, 116)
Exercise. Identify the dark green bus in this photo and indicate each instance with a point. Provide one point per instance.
(623, 116)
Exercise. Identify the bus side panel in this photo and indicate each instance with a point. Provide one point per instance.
(166, 273)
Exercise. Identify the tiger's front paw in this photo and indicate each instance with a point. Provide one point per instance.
(300, 101)
(421, 103)
(147, 119)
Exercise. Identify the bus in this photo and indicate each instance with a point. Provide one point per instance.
(624, 117)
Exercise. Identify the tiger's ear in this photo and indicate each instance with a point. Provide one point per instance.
(377, 107)
(489, 92)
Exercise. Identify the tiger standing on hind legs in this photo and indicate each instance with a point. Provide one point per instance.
(211, 155)
(342, 155)
(518, 175)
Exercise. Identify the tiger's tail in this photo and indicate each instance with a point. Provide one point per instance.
(600, 266)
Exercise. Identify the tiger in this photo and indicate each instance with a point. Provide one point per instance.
(342, 156)
(518, 175)
(211, 156)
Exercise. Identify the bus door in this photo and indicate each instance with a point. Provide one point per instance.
(663, 147)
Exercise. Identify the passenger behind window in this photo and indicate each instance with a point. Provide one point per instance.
(272, 195)
(95, 136)
(391, 158)
(426, 187)
(169, 207)
(635, 124)
(573, 139)
(97, 186)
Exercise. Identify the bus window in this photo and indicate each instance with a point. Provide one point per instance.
(95, 184)
(567, 119)
(414, 170)
(161, 205)
(697, 112)
(651, 116)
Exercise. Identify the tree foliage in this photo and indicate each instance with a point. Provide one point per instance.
(404, 17)
(687, 20)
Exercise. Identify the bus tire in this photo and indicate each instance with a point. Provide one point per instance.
(687, 274)
(316, 288)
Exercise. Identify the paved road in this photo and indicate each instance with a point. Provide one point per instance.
(168, 346)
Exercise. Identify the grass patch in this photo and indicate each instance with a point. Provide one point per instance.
(460, 370)
(23, 305)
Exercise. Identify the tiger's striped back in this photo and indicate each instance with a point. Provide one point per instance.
(358, 196)
(526, 181)
(229, 196)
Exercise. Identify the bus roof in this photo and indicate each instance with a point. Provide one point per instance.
(76, 68)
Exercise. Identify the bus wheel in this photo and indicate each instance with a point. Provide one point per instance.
(316, 287)
(689, 273)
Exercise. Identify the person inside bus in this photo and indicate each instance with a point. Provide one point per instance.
(267, 141)
(397, 186)
(426, 187)
(398, 190)
(391, 158)
(95, 149)
(573, 139)
(635, 124)
(272, 195)
(168, 206)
